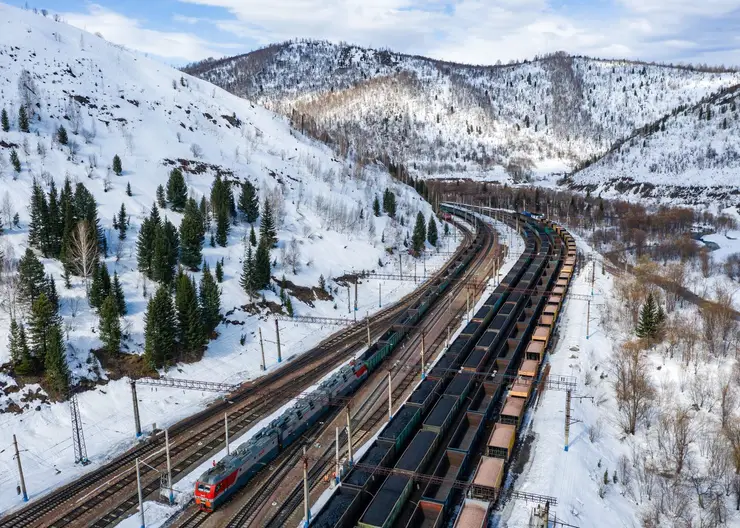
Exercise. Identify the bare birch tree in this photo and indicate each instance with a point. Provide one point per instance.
(634, 390)
(83, 250)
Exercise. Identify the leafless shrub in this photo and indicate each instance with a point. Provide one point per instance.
(196, 150)
(634, 390)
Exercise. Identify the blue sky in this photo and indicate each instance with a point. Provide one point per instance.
(473, 31)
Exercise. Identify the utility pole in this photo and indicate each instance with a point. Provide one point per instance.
(588, 318)
(169, 465)
(137, 420)
(367, 318)
(78, 437)
(390, 398)
(349, 436)
(262, 348)
(277, 333)
(567, 417)
(349, 299)
(423, 372)
(356, 281)
(467, 304)
(400, 265)
(306, 506)
(226, 428)
(380, 304)
(20, 470)
(336, 471)
(141, 499)
(593, 276)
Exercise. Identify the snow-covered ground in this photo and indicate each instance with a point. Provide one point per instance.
(113, 101)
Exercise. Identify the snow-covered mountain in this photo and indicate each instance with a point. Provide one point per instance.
(690, 156)
(443, 118)
(115, 102)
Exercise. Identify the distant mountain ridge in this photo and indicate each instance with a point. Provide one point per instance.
(443, 119)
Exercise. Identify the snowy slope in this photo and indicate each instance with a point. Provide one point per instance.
(112, 102)
(691, 156)
(445, 118)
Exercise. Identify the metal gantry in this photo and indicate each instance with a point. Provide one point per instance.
(315, 320)
(78, 438)
(176, 383)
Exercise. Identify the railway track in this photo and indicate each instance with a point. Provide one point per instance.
(367, 416)
(95, 499)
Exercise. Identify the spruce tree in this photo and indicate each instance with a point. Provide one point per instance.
(110, 325)
(647, 323)
(128, 189)
(43, 318)
(376, 207)
(419, 235)
(219, 196)
(117, 167)
(219, 271)
(189, 327)
(101, 285)
(51, 293)
(13, 342)
(39, 215)
(268, 233)
(55, 361)
(210, 301)
(15, 160)
(222, 227)
(432, 236)
(248, 203)
(54, 224)
(161, 202)
(262, 267)
(191, 236)
(31, 278)
(4, 120)
(122, 221)
(164, 253)
(177, 191)
(62, 135)
(160, 325)
(26, 364)
(117, 291)
(22, 119)
(288, 305)
(252, 237)
(247, 278)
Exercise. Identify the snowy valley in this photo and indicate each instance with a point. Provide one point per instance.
(156, 121)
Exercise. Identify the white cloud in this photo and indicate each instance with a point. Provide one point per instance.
(129, 32)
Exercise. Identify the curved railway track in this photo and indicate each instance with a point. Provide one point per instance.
(367, 415)
(98, 494)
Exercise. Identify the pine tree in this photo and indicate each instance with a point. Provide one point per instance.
(210, 301)
(647, 325)
(288, 305)
(15, 160)
(248, 203)
(31, 278)
(222, 227)
(51, 293)
(160, 325)
(203, 209)
(177, 191)
(268, 233)
(252, 237)
(262, 267)
(101, 285)
(54, 225)
(376, 207)
(128, 189)
(219, 196)
(419, 235)
(432, 236)
(247, 278)
(55, 361)
(43, 318)
(191, 236)
(110, 325)
(22, 119)
(117, 292)
(62, 135)
(26, 364)
(117, 167)
(161, 202)
(219, 271)
(67, 282)
(122, 221)
(190, 329)
(4, 120)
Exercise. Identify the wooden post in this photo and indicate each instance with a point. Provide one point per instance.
(277, 333)
(262, 348)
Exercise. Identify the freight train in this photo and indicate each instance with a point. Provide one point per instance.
(233, 471)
